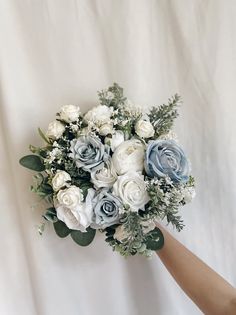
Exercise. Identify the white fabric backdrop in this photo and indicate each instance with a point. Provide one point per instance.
(56, 52)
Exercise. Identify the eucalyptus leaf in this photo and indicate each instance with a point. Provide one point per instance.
(33, 162)
(51, 215)
(83, 238)
(61, 229)
(155, 239)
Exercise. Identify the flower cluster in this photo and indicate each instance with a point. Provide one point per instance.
(115, 169)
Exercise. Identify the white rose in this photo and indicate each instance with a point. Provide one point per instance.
(129, 156)
(116, 139)
(98, 115)
(55, 129)
(189, 193)
(76, 219)
(144, 128)
(71, 209)
(131, 189)
(60, 179)
(69, 113)
(104, 177)
(105, 129)
(70, 197)
(120, 233)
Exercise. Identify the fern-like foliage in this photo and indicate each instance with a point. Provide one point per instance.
(162, 117)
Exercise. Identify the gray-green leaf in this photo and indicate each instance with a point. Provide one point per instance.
(83, 238)
(33, 162)
(61, 229)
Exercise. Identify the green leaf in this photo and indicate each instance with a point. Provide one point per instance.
(61, 229)
(155, 239)
(43, 136)
(83, 238)
(33, 162)
(51, 215)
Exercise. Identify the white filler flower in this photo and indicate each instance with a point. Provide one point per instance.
(129, 156)
(144, 128)
(55, 130)
(60, 180)
(69, 113)
(131, 189)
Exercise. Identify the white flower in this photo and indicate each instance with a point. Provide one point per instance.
(105, 129)
(55, 129)
(76, 219)
(70, 197)
(131, 189)
(120, 233)
(60, 179)
(144, 128)
(129, 156)
(98, 115)
(76, 214)
(69, 113)
(104, 177)
(116, 139)
(188, 194)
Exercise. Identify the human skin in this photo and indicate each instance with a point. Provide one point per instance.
(207, 289)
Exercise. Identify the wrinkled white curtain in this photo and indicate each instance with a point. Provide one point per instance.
(55, 52)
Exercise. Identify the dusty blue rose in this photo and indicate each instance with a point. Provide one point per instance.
(88, 152)
(165, 157)
(105, 208)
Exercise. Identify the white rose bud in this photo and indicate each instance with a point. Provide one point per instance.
(144, 129)
(131, 189)
(116, 139)
(105, 129)
(129, 156)
(55, 130)
(70, 197)
(60, 179)
(69, 113)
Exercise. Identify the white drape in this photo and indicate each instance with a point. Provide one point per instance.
(56, 52)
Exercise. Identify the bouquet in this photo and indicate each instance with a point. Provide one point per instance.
(117, 170)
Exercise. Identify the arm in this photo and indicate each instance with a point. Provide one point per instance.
(208, 290)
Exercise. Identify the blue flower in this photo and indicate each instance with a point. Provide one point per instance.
(106, 208)
(165, 157)
(89, 152)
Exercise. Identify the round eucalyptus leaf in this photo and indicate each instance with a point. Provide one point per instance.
(61, 229)
(155, 239)
(33, 162)
(83, 238)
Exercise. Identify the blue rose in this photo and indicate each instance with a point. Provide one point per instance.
(89, 152)
(106, 208)
(165, 157)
